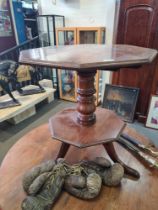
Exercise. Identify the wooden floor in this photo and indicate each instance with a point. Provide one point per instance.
(37, 146)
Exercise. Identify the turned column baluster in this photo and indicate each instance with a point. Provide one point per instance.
(86, 100)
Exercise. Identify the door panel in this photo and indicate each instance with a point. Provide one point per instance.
(140, 29)
(138, 25)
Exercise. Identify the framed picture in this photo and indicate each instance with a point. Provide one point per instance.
(122, 100)
(152, 118)
(67, 84)
(5, 22)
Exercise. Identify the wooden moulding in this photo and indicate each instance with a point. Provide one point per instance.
(83, 127)
(64, 127)
(89, 56)
(85, 100)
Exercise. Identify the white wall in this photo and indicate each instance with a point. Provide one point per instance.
(84, 13)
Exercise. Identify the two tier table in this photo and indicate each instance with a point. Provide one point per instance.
(85, 125)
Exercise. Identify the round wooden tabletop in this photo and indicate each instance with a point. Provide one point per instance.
(38, 146)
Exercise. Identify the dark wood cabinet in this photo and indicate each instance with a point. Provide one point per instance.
(137, 24)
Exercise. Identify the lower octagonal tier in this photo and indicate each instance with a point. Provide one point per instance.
(64, 127)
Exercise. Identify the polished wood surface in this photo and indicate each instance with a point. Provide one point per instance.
(38, 146)
(137, 25)
(64, 127)
(63, 150)
(109, 147)
(88, 57)
(106, 128)
(85, 99)
(99, 38)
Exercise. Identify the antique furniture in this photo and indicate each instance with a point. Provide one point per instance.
(137, 25)
(47, 25)
(90, 35)
(83, 127)
(67, 79)
(37, 146)
(78, 35)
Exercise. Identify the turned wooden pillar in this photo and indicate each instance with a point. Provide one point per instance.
(86, 100)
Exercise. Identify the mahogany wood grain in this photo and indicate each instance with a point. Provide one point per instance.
(89, 56)
(63, 150)
(86, 59)
(109, 147)
(155, 81)
(85, 99)
(65, 128)
(38, 146)
(137, 25)
(106, 129)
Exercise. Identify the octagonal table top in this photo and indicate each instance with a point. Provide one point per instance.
(65, 128)
(89, 56)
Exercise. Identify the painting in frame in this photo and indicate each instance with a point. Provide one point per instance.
(67, 85)
(5, 21)
(152, 118)
(122, 100)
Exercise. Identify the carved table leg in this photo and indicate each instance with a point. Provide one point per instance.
(85, 100)
(113, 155)
(63, 150)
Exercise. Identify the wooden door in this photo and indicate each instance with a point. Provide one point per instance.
(138, 25)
